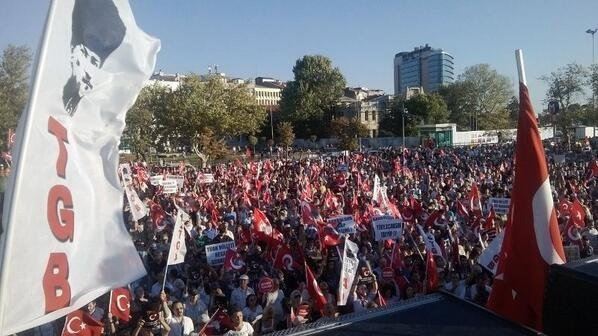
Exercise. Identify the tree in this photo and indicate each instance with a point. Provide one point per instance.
(392, 122)
(479, 98)
(14, 77)
(197, 107)
(566, 86)
(140, 131)
(309, 101)
(286, 134)
(430, 108)
(456, 97)
(348, 131)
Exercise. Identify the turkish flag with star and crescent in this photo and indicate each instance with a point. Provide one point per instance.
(532, 241)
(261, 224)
(120, 303)
(81, 324)
(233, 261)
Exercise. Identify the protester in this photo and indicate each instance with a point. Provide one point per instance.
(275, 214)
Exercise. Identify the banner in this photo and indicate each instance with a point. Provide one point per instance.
(387, 227)
(490, 256)
(501, 205)
(348, 271)
(178, 249)
(64, 241)
(205, 178)
(156, 180)
(216, 253)
(343, 224)
(169, 186)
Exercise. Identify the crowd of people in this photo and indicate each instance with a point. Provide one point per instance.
(431, 190)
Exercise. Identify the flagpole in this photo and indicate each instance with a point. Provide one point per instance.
(25, 122)
(520, 66)
(210, 320)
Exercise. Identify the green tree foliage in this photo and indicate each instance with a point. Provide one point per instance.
(430, 108)
(309, 101)
(140, 131)
(566, 86)
(212, 107)
(392, 123)
(348, 131)
(14, 77)
(458, 103)
(286, 134)
(479, 98)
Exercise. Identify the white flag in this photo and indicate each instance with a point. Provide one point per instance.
(178, 249)
(137, 207)
(430, 241)
(348, 271)
(64, 241)
(489, 257)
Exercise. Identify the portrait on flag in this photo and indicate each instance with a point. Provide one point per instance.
(92, 63)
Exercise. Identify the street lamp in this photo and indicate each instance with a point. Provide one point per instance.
(593, 32)
(403, 113)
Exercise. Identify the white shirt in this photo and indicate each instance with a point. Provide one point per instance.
(179, 326)
(246, 330)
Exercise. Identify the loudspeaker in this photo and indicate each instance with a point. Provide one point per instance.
(571, 298)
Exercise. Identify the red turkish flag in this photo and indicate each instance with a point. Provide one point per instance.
(397, 258)
(329, 237)
(81, 324)
(431, 273)
(532, 240)
(284, 259)
(475, 205)
(261, 223)
(233, 261)
(564, 207)
(120, 303)
(489, 224)
(578, 213)
(318, 298)
(434, 218)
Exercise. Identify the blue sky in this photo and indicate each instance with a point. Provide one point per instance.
(265, 37)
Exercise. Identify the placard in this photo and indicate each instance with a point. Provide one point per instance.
(501, 205)
(216, 253)
(387, 227)
(205, 178)
(343, 224)
(265, 285)
(156, 180)
(169, 186)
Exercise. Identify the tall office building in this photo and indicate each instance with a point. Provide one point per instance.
(423, 67)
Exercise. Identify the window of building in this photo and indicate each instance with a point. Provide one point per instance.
(373, 116)
(367, 115)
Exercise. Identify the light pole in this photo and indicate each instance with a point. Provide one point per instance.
(403, 112)
(271, 125)
(593, 32)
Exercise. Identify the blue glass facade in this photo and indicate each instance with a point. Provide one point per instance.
(423, 67)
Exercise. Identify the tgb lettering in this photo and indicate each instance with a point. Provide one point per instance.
(61, 219)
